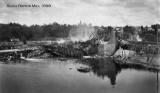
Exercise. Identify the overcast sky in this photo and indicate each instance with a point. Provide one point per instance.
(97, 12)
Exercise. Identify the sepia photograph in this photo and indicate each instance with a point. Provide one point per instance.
(79, 46)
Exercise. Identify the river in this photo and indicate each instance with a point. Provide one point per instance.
(61, 75)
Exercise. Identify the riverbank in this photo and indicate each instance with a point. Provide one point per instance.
(145, 53)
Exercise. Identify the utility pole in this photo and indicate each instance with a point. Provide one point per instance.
(158, 29)
(157, 82)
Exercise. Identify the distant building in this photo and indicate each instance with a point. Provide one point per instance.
(119, 31)
(150, 29)
(14, 40)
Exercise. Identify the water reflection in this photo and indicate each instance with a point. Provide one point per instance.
(77, 76)
(107, 67)
(104, 67)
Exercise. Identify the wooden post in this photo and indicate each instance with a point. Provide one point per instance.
(157, 35)
(157, 40)
(157, 82)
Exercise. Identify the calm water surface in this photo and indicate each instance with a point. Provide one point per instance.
(76, 76)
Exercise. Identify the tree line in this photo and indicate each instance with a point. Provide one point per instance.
(56, 30)
(34, 32)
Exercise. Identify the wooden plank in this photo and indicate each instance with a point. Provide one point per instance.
(10, 50)
(14, 50)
